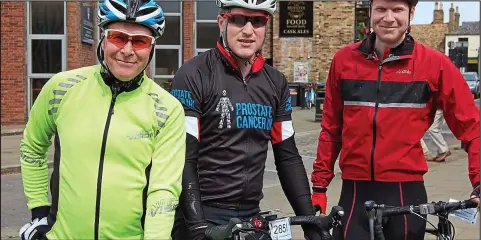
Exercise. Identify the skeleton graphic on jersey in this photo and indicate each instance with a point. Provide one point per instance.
(225, 105)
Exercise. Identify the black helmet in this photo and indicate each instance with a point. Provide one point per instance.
(411, 3)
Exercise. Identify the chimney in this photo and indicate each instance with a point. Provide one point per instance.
(451, 23)
(456, 18)
(438, 13)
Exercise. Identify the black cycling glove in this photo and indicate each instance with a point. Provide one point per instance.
(38, 227)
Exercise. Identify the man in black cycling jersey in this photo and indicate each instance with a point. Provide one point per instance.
(234, 104)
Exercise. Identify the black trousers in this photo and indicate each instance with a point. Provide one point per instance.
(213, 216)
(404, 227)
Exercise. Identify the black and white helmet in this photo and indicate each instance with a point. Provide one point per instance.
(262, 5)
(144, 12)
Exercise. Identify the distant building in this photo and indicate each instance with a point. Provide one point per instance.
(467, 36)
(433, 35)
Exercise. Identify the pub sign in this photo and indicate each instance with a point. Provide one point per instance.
(295, 19)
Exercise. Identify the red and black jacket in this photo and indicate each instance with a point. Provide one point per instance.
(378, 111)
(229, 122)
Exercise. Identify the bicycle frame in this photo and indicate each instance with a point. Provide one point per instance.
(444, 230)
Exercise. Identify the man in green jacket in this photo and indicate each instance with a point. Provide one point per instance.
(119, 139)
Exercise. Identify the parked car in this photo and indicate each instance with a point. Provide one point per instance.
(472, 79)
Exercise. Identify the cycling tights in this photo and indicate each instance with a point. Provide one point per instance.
(404, 227)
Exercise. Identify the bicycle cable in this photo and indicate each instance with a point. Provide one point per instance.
(425, 219)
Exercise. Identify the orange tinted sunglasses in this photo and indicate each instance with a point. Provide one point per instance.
(120, 39)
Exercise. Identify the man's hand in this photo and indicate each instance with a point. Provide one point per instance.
(35, 229)
(320, 198)
(475, 194)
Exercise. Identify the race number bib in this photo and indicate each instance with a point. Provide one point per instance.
(280, 229)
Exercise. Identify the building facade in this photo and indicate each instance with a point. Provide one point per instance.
(464, 42)
(41, 38)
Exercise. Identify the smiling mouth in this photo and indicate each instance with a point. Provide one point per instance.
(124, 61)
(246, 41)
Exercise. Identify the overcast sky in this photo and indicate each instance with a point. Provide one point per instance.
(424, 11)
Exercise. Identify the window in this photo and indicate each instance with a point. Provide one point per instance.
(206, 28)
(46, 44)
(168, 48)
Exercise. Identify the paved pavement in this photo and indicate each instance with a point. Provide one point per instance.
(443, 181)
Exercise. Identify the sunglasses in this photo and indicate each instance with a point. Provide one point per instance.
(120, 39)
(240, 20)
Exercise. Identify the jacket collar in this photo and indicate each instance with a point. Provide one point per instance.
(402, 51)
(256, 66)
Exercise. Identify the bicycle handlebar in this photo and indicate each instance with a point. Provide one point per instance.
(377, 211)
(323, 223)
(426, 208)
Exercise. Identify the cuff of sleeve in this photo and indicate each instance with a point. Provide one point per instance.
(40, 212)
(319, 189)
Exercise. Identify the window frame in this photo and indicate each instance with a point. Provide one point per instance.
(197, 51)
(30, 38)
(174, 47)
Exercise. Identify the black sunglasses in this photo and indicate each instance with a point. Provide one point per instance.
(240, 20)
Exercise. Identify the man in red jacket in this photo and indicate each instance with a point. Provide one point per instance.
(381, 97)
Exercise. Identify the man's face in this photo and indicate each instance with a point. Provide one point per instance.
(126, 49)
(389, 19)
(245, 30)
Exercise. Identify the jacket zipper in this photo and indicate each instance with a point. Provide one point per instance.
(376, 108)
(115, 92)
(246, 179)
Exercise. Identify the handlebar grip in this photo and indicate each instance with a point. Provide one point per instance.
(321, 222)
(222, 232)
(394, 211)
(459, 205)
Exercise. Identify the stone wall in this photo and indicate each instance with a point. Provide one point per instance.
(267, 47)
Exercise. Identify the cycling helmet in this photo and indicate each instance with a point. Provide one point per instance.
(263, 5)
(412, 3)
(144, 12)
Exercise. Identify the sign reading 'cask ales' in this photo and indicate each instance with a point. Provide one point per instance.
(295, 19)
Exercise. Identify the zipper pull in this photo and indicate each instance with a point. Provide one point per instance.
(115, 93)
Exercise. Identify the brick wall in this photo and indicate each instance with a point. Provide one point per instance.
(431, 35)
(267, 47)
(336, 30)
(80, 54)
(188, 29)
(13, 69)
(333, 29)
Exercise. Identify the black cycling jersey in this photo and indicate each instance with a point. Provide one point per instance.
(229, 122)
